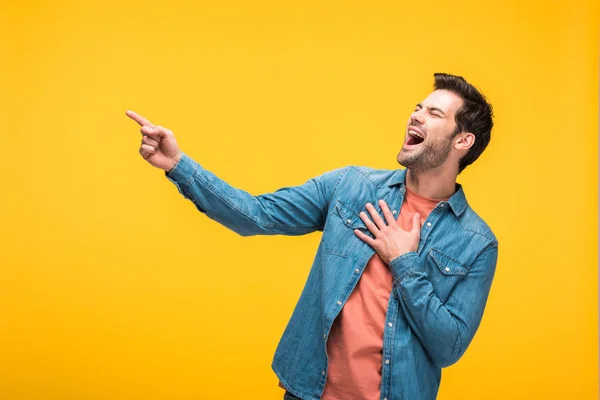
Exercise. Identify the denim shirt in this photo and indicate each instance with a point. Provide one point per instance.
(439, 291)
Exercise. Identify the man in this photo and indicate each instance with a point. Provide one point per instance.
(402, 274)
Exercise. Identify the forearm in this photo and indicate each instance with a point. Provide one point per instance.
(444, 329)
(291, 210)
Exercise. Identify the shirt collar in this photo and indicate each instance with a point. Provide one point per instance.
(458, 201)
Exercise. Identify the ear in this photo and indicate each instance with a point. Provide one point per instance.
(464, 141)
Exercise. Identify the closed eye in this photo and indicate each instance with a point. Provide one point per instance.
(431, 110)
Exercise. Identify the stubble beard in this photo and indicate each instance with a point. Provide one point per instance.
(430, 155)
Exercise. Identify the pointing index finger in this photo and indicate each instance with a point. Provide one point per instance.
(138, 118)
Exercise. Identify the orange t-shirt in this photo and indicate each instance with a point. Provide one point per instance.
(355, 344)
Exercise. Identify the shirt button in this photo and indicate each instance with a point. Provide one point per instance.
(322, 372)
(447, 269)
(389, 324)
(442, 205)
(429, 224)
(387, 361)
(324, 336)
(385, 398)
(349, 221)
(357, 270)
(339, 303)
(394, 212)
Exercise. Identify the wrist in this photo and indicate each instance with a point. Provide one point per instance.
(175, 161)
(398, 253)
(403, 263)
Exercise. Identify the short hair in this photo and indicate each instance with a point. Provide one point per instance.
(475, 115)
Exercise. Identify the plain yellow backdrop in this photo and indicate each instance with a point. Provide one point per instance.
(113, 286)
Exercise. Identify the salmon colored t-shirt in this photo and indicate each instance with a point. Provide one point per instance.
(355, 344)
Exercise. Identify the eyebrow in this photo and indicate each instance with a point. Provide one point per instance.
(432, 108)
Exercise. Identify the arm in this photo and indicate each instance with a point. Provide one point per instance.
(288, 211)
(293, 210)
(445, 330)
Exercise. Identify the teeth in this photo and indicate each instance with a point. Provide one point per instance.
(415, 133)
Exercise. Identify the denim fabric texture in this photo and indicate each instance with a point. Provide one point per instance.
(439, 291)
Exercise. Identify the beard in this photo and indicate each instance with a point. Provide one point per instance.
(430, 155)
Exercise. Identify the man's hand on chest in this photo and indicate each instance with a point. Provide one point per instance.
(391, 240)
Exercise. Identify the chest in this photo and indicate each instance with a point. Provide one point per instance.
(443, 247)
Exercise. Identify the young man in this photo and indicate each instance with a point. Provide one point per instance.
(401, 276)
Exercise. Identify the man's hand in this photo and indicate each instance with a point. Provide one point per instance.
(159, 146)
(391, 240)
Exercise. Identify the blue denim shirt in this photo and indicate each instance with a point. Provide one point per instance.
(439, 291)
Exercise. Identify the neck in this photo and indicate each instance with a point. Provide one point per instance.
(435, 183)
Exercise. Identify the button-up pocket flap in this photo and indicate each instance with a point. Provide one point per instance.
(448, 265)
(349, 215)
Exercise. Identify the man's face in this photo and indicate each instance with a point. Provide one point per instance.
(433, 120)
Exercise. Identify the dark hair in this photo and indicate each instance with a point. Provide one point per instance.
(474, 116)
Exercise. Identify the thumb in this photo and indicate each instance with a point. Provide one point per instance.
(161, 131)
(416, 228)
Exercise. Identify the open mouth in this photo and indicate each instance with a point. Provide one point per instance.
(414, 138)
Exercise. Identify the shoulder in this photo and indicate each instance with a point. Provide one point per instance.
(473, 223)
(377, 176)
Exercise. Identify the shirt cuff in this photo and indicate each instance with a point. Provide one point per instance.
(404, 263)
(183, 171)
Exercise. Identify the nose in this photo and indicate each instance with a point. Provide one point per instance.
(417, 117)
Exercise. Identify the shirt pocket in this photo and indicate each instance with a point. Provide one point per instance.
(445, 272)
(339, 238)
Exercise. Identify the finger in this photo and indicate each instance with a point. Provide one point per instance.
(375, 216)
(146, 150)
(372, 227)
(138, 118)
(416, 228)
(161, 131)
(387, 213)
(365, 238)
(149, 141)
(148, 130)
(144, 153)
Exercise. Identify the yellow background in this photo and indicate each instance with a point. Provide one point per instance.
(113, 286)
